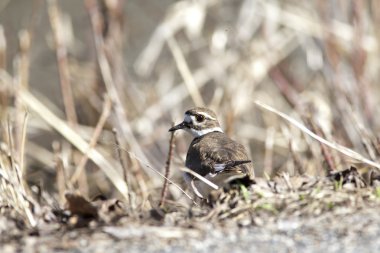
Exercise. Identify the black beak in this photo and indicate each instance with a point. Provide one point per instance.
(179, 126)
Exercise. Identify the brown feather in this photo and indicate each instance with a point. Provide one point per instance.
(206, 151)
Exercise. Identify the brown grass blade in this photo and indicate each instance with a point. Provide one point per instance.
(76, 140)
(344, 150)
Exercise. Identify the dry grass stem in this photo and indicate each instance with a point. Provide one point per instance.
(185, 71)
(180, 92)
(346, 151)
(131, 67)
(76, 140)
(61, 53)
(119, 155)
(61, 177)
(203, 179)
(325, 151)
(22, 144)
(95, 136)
(14, 187)
(22, 65)
(3, 49)
(305, 25)
(106, 73)
(162, 175)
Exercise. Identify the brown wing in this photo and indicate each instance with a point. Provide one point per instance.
(215, 148)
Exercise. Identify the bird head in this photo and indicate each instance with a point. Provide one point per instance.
(199, 121)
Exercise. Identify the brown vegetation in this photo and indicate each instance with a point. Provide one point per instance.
(86, 101)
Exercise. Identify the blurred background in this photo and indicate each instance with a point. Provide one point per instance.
(316, 61)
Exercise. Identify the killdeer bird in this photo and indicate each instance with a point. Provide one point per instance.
(212, 154)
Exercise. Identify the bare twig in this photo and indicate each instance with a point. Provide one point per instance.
(167, 169)
(163, 176)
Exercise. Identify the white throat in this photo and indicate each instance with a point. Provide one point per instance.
(198, 133)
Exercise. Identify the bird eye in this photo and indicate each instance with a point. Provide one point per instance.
(200, 118)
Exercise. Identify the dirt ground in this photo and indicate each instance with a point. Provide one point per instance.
(306, 215)
(358, 232)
